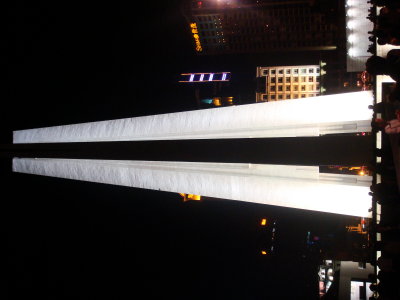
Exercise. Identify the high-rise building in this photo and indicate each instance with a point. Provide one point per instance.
(287, 82)
(256, 26)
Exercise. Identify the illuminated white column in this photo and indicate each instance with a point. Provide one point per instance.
(357, 27)
(342, 113)
(300, 187)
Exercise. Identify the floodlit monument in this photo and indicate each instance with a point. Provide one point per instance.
(302, 187)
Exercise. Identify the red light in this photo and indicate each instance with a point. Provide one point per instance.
(363, 133)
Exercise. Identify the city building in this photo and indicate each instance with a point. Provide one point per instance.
(288, 82)
(267, 236)
(257, 26)
(347, 280)
(209, 89)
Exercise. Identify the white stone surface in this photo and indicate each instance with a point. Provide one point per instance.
(289, 186)
(342, 113)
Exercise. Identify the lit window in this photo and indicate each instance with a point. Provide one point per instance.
(303, 71)
(287, 71)
(263, 222)
(303, 78)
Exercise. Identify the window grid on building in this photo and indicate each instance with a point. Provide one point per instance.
(289, 82)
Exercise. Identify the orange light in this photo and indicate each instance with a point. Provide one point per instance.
(361, 173)
(263, 252)
(263, 222)
(194, 197)
(193, 27)
(187, 197)
(217, 101)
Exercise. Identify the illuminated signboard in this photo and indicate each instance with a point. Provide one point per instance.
(195, 32)
(205, 77)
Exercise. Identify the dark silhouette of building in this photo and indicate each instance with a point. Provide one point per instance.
(222, 27)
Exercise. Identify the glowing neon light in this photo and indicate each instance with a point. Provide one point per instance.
(196, 37)
(205, 77)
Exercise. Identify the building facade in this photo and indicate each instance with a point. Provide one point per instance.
(288, 82)
(209, 89)
(256, 26)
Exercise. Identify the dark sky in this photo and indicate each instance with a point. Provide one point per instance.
(68, 62)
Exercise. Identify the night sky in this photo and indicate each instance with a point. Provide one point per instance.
(68, 62)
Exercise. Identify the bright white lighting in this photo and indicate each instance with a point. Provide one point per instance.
(224, 76)
(211, 77)
(201, 77)
(350, 24)
(300, 187)
(351, 12)
(352, 38)
(191, 77)
(296, 117)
